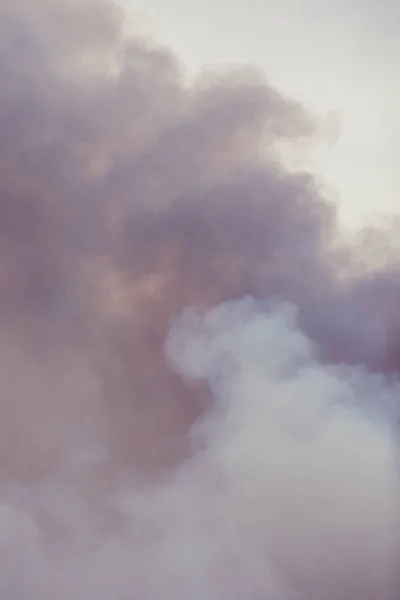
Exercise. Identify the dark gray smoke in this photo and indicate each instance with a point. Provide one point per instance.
(255, 457)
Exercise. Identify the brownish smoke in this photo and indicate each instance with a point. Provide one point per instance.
(125, 197)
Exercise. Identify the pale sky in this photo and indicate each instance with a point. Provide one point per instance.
(333, 55)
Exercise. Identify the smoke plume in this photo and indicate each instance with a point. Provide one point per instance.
(199, 378)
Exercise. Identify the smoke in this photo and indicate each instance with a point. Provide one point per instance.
(251, 450)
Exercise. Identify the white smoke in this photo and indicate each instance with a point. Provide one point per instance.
(292, 492)
(310, 480)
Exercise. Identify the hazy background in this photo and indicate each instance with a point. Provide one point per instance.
(339, 58)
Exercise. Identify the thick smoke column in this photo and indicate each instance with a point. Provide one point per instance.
(254, 455)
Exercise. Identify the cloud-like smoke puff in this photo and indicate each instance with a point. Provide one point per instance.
(310, 484)
(125, 197)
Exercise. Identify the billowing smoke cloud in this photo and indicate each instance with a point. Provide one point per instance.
(249, 451)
